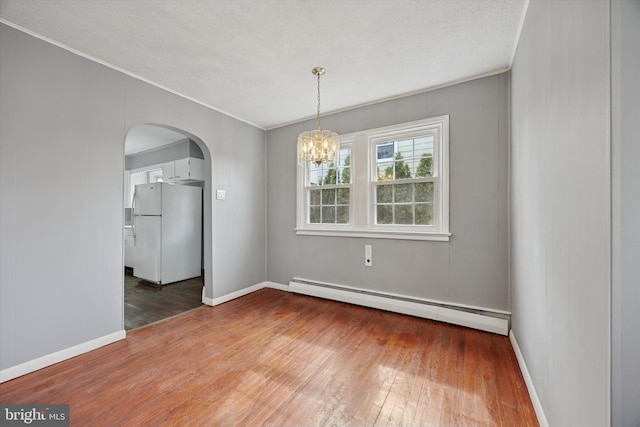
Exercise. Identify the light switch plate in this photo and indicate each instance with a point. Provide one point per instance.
(221, 194)
(368, 256)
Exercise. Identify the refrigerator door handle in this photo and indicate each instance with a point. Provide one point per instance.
(133, 216)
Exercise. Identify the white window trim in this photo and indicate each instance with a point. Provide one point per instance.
(363, 167)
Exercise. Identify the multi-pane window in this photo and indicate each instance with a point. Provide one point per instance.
(328, 190)
(391, 182)
(404, 181)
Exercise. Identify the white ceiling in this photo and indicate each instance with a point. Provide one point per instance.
(252, 59)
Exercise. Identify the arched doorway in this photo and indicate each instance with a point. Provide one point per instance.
(162, 277)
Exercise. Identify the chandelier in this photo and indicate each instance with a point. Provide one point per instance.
(318, 146)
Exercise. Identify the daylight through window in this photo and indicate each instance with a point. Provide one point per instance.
(390, 182)
(328, 189)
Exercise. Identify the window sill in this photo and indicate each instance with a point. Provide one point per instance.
(398, 235)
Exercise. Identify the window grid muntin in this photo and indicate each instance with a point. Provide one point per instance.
(334, 179)
(414, 203)
(400, 142)
(432, 133)
(323, 206)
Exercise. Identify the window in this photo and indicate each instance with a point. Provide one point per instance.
(154, 175)
(387, 183)
(327, 190)
(142, 176)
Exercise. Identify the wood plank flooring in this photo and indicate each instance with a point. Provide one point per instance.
(281, 359)
(146, 303)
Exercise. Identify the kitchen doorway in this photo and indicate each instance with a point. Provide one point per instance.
(165, 186)
(145, 303)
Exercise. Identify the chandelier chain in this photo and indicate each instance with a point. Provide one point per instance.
(318, 101)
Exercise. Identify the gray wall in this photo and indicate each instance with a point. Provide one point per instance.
(472, 267)
(625, 138)
(64, 121)
(560, 208)
(175, 151)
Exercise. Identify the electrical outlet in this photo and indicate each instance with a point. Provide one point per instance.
(221, 194)
(368, 256)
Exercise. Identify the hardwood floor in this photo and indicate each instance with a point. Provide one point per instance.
(276, 358)
(146, 303)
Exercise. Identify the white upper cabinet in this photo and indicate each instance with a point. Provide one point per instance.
(184, 170)
(189, 169)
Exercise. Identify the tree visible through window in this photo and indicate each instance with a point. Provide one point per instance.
(404, 181)
(328, 191)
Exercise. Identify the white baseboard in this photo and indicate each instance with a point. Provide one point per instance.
(237, 294)
(278, 286)
(462, 315)
(59, 356)
(233, 295)
(537, 406)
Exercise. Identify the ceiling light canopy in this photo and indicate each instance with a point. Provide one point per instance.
(318, 146)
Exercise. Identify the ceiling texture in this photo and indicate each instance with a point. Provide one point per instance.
(252, 59)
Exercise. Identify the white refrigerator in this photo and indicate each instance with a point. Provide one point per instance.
(167, 232)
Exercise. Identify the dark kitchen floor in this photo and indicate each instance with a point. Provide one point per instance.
(145, 303)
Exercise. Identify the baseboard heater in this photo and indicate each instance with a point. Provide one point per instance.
(484, 320)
